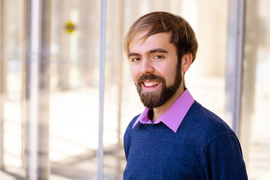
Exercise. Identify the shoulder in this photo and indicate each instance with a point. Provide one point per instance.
(204, 119)
(128, 136)
(219, 146)
(203, 125)
(129, 127)
(131, 123)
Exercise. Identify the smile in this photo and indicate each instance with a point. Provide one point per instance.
(150, 84)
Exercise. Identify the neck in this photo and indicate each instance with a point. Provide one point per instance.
(159, 111)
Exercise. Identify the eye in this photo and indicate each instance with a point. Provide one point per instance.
(135, 59)
(158, 57)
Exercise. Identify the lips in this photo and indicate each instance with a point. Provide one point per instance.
(150, 83)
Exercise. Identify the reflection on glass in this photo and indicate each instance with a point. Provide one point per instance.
(73, 88)
(256, 90)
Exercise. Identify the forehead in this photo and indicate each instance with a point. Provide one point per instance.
(140, 39)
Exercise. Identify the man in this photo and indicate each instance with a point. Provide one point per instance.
(175, 137)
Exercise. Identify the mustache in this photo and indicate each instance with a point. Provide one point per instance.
(145, 77)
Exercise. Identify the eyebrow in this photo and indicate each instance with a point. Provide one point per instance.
(133, 54)
(149, 52)
(157, 50)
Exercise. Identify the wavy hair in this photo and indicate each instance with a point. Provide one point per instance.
(182, 34)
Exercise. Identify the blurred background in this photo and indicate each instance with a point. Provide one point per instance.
(56, 103)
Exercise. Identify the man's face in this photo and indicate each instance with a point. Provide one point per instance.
(155, 68)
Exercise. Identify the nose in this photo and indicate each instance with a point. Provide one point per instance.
(147, 66)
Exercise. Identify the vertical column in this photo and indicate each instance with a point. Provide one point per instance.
(101, 87)
(249, 74)
(32, 41)
(2, 84)
(234, 62)
(89, 38)
(37, 89)
(64, 48)
(44, 91)
(92, 38)
(120, 52)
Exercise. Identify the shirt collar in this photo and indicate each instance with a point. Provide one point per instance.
(173, 116)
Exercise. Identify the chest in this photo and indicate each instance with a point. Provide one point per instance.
(164, 155)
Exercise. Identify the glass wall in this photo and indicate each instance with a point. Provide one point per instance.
(69, 78)
(255, 122)
(11, 75)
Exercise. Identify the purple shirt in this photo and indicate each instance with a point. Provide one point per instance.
(173, 116)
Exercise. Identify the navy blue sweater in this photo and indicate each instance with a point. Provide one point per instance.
(204, 147)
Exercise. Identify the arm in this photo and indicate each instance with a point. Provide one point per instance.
(223, 160)
(127, 136)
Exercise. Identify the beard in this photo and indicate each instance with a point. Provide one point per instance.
(160, 96)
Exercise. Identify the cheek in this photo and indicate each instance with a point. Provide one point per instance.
(134, 72)
(168, 73)
(170, 78)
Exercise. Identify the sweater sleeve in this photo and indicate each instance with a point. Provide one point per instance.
(127, 141)
(127, 136)
(222, 159)
(126, 147)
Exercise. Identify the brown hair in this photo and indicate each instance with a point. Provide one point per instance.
(182, 34)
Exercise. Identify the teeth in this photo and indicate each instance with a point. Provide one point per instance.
(149, 84)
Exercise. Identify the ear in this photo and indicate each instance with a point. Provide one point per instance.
(186, 61)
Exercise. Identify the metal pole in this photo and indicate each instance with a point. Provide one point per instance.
(100, 152)
(37, 89)
(44, 90)
(37, 82)
(234, 62)
(32, 58)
